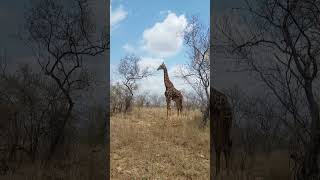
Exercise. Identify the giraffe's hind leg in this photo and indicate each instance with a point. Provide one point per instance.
(179, 106)
(178, 109)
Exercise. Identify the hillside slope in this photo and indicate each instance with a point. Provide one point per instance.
(145, 145)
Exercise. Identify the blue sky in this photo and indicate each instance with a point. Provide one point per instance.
(153, 30)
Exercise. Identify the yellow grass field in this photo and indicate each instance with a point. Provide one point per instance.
(144, 145)
(83, 163)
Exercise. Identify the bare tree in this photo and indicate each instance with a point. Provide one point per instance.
(130, 72)
(29, 96)
(62, 34)
(117, 98)
(197, 71)
(259, 113)
(191, 101)
(280, 40)
(156, 100)
(142, 100)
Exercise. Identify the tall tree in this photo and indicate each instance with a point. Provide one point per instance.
(62, 34)
(280, 40)
(197, 72)
(130, 71)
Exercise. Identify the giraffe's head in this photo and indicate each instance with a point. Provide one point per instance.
(162, 66)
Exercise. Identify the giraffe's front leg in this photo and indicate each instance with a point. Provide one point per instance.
(168, 107)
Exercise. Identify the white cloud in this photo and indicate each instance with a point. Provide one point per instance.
(151, 63)
(150, 84)
(164, 12)
(117, 15)
(175, 75)
(165, 38)
(155, 83)
(177, 69)
(128, 48)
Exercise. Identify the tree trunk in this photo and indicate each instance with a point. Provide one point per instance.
(59, 134)
(310, 165)
(128, 103)
(205, 116)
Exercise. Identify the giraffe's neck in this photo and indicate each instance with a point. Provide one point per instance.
(167, 81)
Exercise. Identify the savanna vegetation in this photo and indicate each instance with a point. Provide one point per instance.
(277, 43)
(275, 129)
(147, 144)
(48, 130)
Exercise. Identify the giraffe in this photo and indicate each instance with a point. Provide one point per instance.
(171, 92)
(221, 118)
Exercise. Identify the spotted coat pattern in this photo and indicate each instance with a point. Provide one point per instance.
(171, 92)
(221, 119)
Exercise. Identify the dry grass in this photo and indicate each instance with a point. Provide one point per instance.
(145, 145)
(85, 163)
(274, 166)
